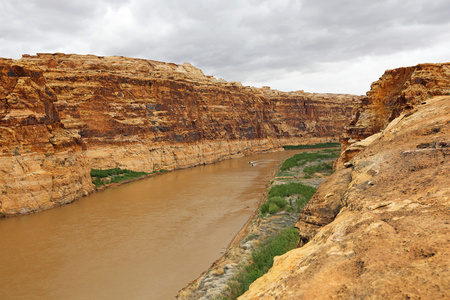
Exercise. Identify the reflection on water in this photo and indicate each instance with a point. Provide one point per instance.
(143, 240)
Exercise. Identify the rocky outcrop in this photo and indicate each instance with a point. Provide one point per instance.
(61, 115)
(378, 227)
(396, 91)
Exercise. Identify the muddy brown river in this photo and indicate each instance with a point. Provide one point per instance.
(142, 240)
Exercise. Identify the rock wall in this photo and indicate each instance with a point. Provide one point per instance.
(61, 115)
(378, 227)
(41, 163)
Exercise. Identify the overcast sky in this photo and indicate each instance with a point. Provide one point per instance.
(338, 46)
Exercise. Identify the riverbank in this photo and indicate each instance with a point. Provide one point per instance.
(219, 281)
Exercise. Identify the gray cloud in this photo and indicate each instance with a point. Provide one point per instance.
(316, 45)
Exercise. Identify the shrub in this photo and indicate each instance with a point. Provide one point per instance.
(264, 208)
(98, 182)
(279, 201)
(273, 208)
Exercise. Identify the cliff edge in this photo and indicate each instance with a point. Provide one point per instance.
(378, 228)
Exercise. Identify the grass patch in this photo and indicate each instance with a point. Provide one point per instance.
(315, 146)
(309, 170)
(302, 158)
(293, 188)
(115, 175)
(128, 176)
(277, 198)
(108, 172)
(262, 261)
(285, 174)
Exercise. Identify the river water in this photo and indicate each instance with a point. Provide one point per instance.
(142, 240)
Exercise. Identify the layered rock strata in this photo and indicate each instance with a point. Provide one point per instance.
(378, 227)
(61, 115)
(42, 164)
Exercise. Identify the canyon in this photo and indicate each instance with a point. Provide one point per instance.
(63, 114)
(378, 228)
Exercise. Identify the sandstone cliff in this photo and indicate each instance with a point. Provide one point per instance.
(41, 162)
(396, 91)
(378, 228)
(61, 115)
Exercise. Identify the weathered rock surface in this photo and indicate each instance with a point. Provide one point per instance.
(396, 91)
(61, 115)
(378, 228)
(41, 163)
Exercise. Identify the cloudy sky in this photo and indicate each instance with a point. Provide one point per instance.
(338, 46)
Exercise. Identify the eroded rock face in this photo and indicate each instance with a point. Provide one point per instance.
(378, 227)
(143, 115)
(396, 91)
(41, 163)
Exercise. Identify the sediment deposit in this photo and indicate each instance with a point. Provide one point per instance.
(378, 228)
(61, 115)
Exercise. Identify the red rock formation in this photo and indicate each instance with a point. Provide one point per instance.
(146, 115)
(378, 227)
(41, 163)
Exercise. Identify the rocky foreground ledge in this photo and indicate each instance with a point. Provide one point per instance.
(378, 228)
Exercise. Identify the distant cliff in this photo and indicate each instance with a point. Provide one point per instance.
(378, 227)
(61, 115)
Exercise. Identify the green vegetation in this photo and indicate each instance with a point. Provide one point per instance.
(291, 196)
(279, 201)
(315, 146)
(292, 188)
(309, 170)
(115, 175)
(262, 261)
(273, 208)
(108, 172)
(301, 202)
(302, 158)
(277, 198)
(286, 174)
